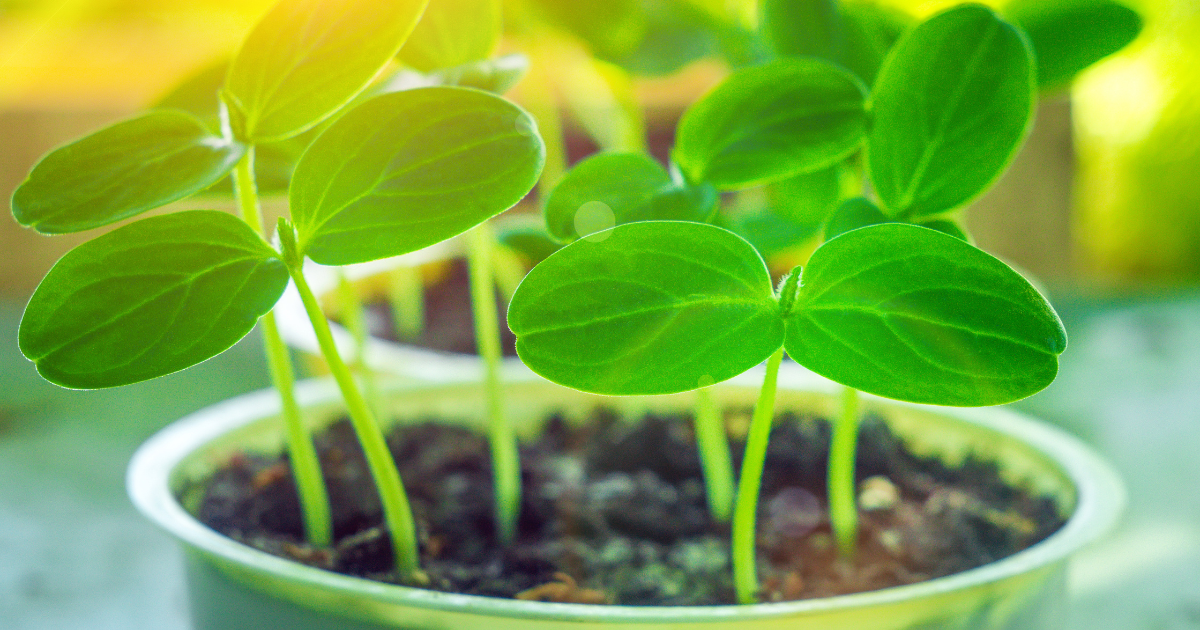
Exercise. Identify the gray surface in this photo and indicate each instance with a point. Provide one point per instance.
(1130, 385)
(74, 554)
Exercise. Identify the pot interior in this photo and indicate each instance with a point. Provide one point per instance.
(950, 434)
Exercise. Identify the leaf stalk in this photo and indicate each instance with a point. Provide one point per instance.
(715, 457)
(745, 571)
(396, 510)
(506, 468)
(306, 467)
(843, 511)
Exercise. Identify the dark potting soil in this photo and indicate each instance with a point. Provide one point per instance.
(616, 513)
(449, 322)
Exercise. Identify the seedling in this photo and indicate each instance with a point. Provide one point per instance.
(884, 306)
(392, 174)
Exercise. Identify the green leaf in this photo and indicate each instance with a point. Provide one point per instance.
(856, 35)
(677, 32)
(307, 58)
(853, 214)
(530, 241)
(196, 93)
(452, 33)
(273, 161)
(870, 31)
(1070, 35)
(610, 189)
(496, 75)
(649, 308)
(802, 27)
(910, 313)
(768, 232)
(952, 104)
(807, 198)
(611, 28)
(150, 298)
(122, 171)
(769, 122)
(409, 169)
(947, 226)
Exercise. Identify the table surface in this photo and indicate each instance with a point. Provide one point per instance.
(75, 554)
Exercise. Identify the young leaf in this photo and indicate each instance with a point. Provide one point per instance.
(769, 122)
(856, 35)
(870, 30)
(676, 33)
(629, 187)
(947, 226)
(497, 75)
(910, 313)
(307, 58)
(768, 232)
(452, 33)
(853, 214)
(647, 308)
(409, 169)
(807, 196)
(122, 171)
(196, 93)
(150, 298)
(611, 28)
(1070, 35)
(802, 27)
(951, 105)
(532, 242)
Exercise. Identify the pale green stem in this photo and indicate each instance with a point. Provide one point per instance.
(396, 510)
(354, 317)
(506, 468)
(406, 294)
(306, 468)
(745, 572)
(843, 513)
(715, 457)
(509, 270)
(352, 314)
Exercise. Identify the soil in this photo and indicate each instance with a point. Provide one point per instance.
(449, 323)
(615, 512)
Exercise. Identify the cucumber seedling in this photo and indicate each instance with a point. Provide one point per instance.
(885, 306)
(391, 174)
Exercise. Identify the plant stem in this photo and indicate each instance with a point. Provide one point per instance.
(715, 457)
(355, 320)
(306, 468)
(843, 513)
(506, 468)
(745, 572)
(509, 270)
(406, 293)
(396, 510)
(352, 314)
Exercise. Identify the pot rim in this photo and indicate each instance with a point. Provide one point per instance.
(1100, 500)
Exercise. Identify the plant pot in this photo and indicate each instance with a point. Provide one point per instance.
(233, 586)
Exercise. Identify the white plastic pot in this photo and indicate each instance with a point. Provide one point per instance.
(234, 587)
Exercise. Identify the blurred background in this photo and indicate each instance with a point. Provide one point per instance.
(1102, 204)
